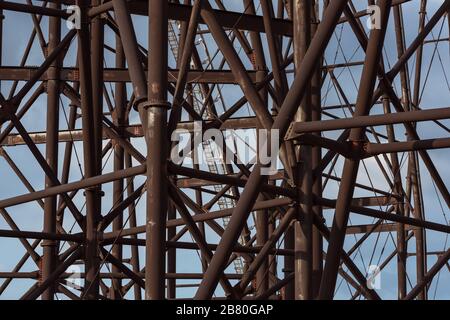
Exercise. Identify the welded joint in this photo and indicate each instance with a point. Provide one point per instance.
(139, 102)
(155, 103)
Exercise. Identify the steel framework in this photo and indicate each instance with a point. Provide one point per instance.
(112, 216)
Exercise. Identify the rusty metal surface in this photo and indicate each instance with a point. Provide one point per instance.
(95, 206)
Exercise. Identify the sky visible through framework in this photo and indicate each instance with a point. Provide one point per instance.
(343, 47)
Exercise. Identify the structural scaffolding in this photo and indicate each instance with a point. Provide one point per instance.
(94, 206)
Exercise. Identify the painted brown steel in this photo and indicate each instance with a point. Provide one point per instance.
(92, 261)
(303, 226)
(49, 254)
(214, 50)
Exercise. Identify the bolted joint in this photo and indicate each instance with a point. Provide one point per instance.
(52, 73)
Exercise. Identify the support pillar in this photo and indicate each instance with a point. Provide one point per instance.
(91, 253)
(51, 153)
(156, 114)
(303, 171)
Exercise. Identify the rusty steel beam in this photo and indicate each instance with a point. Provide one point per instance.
(128, 131)
(155, 110)
(87, 147)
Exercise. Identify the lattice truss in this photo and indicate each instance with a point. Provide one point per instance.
(94, 206)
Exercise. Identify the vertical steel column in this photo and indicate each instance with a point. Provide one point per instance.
(281, 87)
(156, 113)
(406, 101)
(91, 253)
(413, 166)
(97, 62)
(350, 170)
(97, 39)
(51, 152)
(301, 12)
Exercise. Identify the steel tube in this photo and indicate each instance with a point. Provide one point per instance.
(156, 115)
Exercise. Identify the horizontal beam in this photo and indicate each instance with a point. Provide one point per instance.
(226, 19)
(371, 149)
(81, 184)
(384, 227)
(194, 246)
(131, 131)
(122, 75)
(368, 121)
(26, 8)
(40, 235)
(108, 275)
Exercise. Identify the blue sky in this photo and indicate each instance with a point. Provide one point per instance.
(17, 27)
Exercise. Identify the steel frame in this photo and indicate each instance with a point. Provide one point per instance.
(283, 236)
